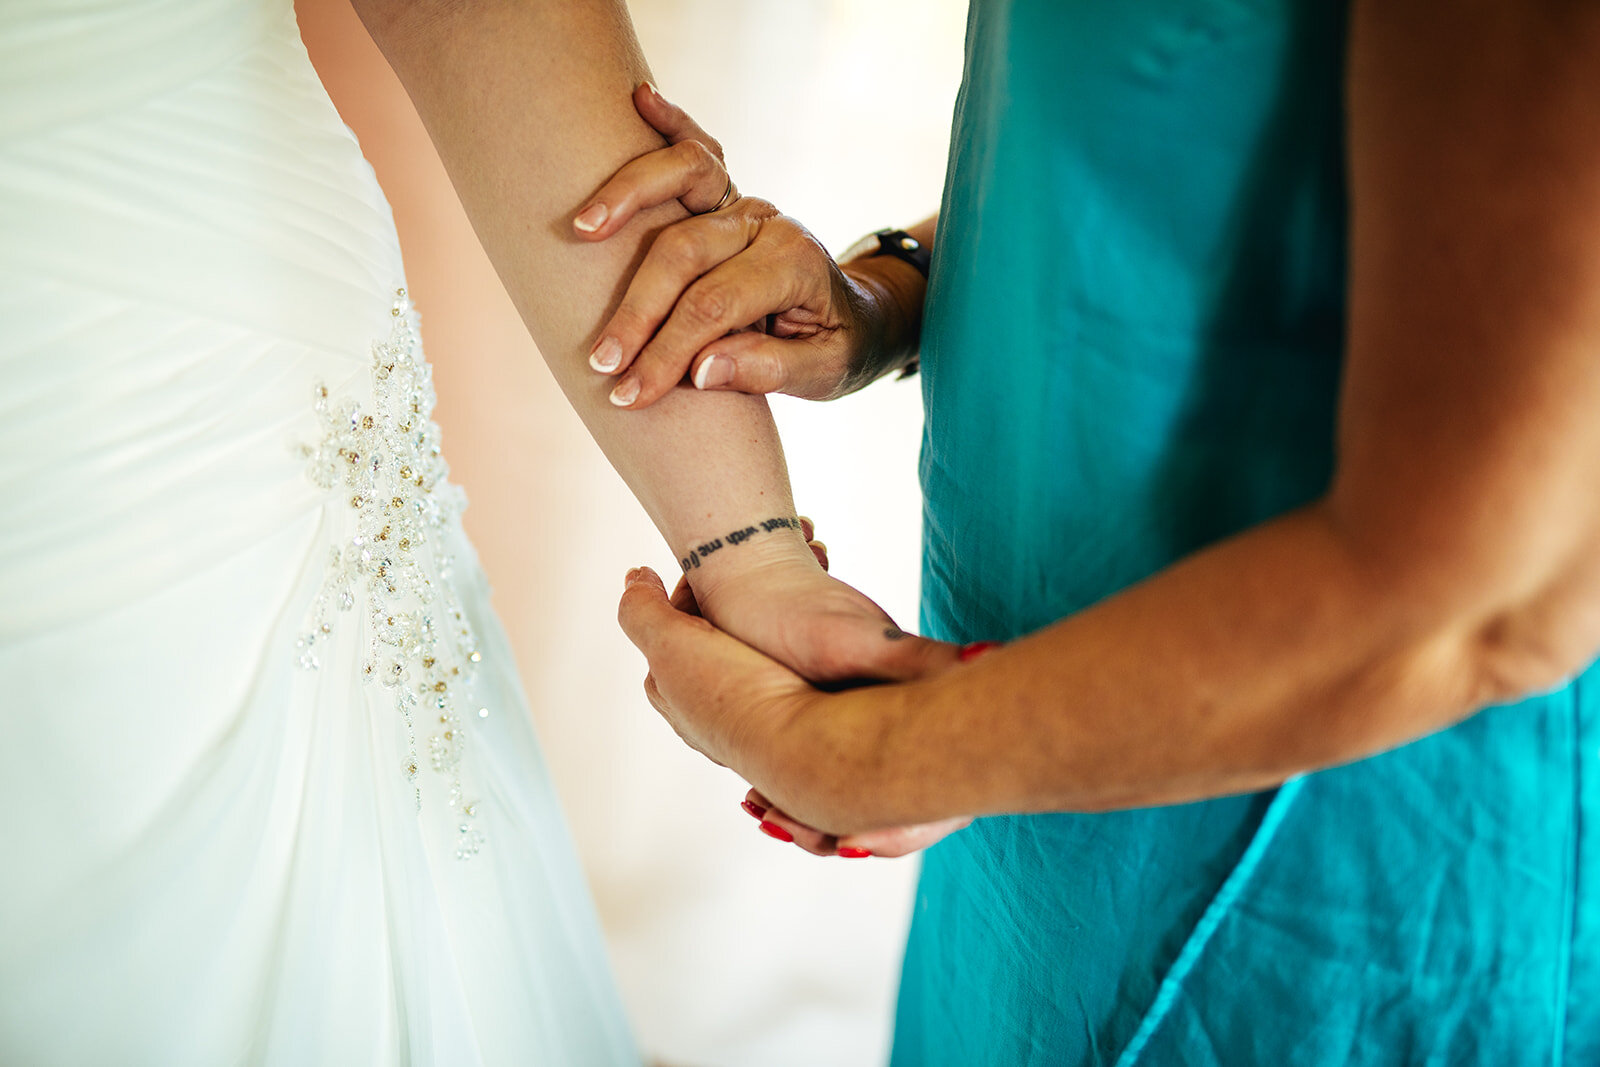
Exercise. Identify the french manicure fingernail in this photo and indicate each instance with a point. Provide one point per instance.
(854, 853)
(653, 91)
(714, 371)
(606, 355)
(778, 833)
(632, 576)
(976, 649)
(626, 392)
(756, 810)
(592, 217)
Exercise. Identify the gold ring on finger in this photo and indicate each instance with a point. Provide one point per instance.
(728, 196)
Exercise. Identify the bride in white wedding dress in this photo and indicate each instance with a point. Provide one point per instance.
(271, 792)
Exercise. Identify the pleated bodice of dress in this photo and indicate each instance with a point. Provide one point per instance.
(191, 235)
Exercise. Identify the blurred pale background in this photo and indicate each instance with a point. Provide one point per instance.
(730, 948)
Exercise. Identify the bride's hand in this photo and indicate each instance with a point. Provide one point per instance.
(835, 635)
(748, 712)
(827, 632)
(819, 331)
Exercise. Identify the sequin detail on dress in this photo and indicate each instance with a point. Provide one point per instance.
(385, 461)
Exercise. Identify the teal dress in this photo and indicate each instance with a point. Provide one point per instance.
(1132, 348)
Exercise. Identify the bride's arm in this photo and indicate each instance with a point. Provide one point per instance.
(530, 105)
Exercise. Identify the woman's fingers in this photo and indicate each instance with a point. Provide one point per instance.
(682, 597)
(846, 650)
(899, 840)
(780, 827)
(676, 259)
(727, 298)
(689, 170)
(754, 362)
(889, 843)
(686, 172)
(658, 629)
(808, 530)
(710, 687)
(912, 657)
(820, 551)
(670, 120)
(686, 649)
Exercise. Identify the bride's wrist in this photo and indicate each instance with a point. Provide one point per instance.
(743, 558)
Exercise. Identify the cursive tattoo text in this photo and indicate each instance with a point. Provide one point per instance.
(735, 538)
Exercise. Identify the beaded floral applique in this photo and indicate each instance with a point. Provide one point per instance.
(395, 565)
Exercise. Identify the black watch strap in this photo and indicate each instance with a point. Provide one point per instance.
(901, 245)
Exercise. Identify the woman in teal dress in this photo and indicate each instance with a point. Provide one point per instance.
(1150, 213)
(1261, 359)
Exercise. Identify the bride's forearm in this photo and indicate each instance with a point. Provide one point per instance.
(529, 105)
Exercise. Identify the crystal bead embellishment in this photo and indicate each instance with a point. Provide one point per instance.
(384, 462)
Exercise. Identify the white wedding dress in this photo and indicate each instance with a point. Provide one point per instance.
(270, 793)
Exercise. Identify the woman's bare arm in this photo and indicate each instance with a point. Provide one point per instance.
(530, 106)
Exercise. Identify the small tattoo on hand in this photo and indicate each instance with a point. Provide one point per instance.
(894, 633)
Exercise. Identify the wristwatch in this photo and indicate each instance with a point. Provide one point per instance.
(896, 243)
(901, 245)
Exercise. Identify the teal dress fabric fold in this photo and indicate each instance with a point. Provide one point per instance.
(1133, 344)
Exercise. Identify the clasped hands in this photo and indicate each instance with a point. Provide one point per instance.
(769, 666)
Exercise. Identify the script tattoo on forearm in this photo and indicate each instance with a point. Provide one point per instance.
(734, 538)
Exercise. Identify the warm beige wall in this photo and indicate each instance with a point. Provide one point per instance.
(730, 948)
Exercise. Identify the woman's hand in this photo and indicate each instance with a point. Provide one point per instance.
(689, 170)
(830, 633)
(739, 296)
(741, 709)
(745, 697)
(891, 843)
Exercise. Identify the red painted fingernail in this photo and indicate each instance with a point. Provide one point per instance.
(854, 853)
(773, 830)
(756, 810)
(976, 649)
